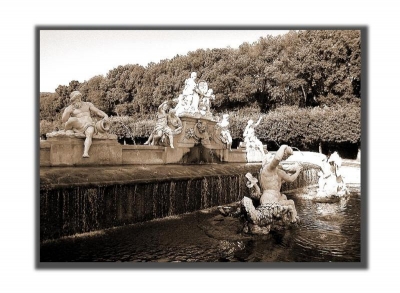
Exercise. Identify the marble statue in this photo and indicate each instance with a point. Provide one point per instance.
(205, 104)
(274, 211)
(167, 125)
(223, 130)
(331, 182)
(254, 147)
(191, 93)
(174, 123)
(182, 105)
(195, 99)
(77, 119)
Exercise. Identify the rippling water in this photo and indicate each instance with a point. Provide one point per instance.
(327, 232)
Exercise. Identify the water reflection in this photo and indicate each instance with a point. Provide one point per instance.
(327, 232)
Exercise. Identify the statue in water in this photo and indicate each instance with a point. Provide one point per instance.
(274, 211)
(331, 183)
(77, 119)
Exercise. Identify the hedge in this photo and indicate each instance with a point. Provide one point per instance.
(299, 127)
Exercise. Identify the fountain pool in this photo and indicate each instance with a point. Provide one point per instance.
(328, 232)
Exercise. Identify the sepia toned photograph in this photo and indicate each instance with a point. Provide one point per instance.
(176, 145)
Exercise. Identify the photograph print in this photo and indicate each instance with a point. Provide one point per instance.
(199, 145)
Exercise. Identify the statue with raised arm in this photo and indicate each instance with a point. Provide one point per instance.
(272, 177)
(77, 119)
(273, 211)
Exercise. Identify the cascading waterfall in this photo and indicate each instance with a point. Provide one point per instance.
(308, 177)
(68, 209)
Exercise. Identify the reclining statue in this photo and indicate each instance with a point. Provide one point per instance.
(274, 211)
(78, 120)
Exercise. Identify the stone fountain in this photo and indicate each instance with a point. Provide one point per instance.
(88, 181)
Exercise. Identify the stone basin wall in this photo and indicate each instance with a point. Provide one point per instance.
(76, 200)
(190, 146)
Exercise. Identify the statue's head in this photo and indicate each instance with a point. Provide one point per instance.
(75, 96)
(335, 159)
(165, 106)
(193, 75)
(250, 122)
(225, 116)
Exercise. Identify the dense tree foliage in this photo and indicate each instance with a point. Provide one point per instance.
(302, 69)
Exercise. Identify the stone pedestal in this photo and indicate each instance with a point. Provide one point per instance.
(67, 151)
(199, 142)
(199, 130)
(151, 155)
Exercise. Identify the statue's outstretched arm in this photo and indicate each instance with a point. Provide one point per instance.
(283, 152)
(98, 112)
(258, 122)
(245, 131)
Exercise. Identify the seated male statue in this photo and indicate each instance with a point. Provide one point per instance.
(77, 119)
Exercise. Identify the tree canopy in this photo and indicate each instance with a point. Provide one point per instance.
(301, 69)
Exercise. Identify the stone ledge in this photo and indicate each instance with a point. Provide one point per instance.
(67, 151)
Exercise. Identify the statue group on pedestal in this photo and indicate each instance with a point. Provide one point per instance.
(195, 101)
(195, 98)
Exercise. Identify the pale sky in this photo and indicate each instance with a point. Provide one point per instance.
(67, 55)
